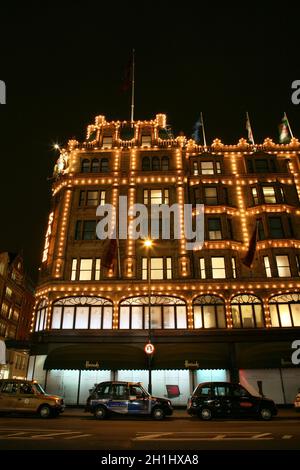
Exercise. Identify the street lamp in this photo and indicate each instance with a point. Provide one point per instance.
(148, 244)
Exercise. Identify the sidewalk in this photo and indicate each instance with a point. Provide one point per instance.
(289, 413)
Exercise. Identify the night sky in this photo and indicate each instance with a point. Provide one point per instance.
(64, 66)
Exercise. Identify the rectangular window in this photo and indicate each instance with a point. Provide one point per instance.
(74, 269)
(146, 141)
(202, 268)
(95, 322)
(8, 292)
(156, 268)
(283, 266)
(233, 266)
(195, 169)
(107, 142)
(68, 318)
(156, 196)
(85, 270)
(169, 268)
(92, 198)
(261, 165)
(102, 198)
(207, 168)
(56, 317)
(214, 229)
(89, 230)
(218, 267)
(261, 232)
(97, 269)
(276, 228)
(82, 318)
(218, 167)
(267, 266)
(254, 196)
(82, 198)
(211, 196)
(269, 194)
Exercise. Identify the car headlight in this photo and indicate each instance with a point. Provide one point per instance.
(169, 403)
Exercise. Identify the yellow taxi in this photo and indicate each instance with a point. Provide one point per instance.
(27, 396)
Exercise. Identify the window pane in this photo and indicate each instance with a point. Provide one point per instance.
(156, 317)
(276, 229)
(284, 313)
(195, 169)
(221, 316)
(85, 269)
(42, 319)
(202, 268)
(197, 317)
(207, 168)
(89, 230)
(56, 317)
(235, 316)
(124, 317)
(209, 316)
(169, 268)
(137, 318)
(214, 229)
(37, 320)
(296, 314)
(102, 198)
(181, 316)
(259, 316)
(107, 318)
(156, 196)
(92, 198)
(144, 268)
(211, 197)
(82, 317)
(247, 316)
(283, 266)
(68, 317)
(97, 269)
(157, 268)
(269, 194)
(273, 315)
(95, 323)
(267, 266)
(74, 267)
(169, 316)
(218, 267)
(254, 195)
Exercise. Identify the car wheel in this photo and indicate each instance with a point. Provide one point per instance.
(265, 414)
(205, 414)
(45, 412)
(158, 414)
(100, 412)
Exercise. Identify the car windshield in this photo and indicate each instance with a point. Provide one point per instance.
(39, 389)
(144, 391)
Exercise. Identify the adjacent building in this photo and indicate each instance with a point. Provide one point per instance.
(16, 304)
(212, 317)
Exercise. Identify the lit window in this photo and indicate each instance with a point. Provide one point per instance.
(211, 196)
(207, 168)
(202, 268)
(255, 196)
(214, 229)
(85, 270)
(218, 267)
(156, 196)
(269, 194)
(146, 141)
(169, 268)
(195, 169)
(218, 167)
(107, 142)
(8, 292)
(102, 198)
(74, 269)
(156, 268)
(209, 312)
(97, 269)
(267, 266)
(92, 198)
(283, 266)
(233, 267)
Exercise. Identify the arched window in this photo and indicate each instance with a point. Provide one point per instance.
(165, 163)
(95, 165)
(166, 313)
(41, 316)
(85, 166)
(146, 164)
(209, 312)
(155, 164)
(81, 313)
(247, 312)
(104, 165)
(285, 310)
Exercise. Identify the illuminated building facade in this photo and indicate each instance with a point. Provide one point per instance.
(212, 317)
(16, 304)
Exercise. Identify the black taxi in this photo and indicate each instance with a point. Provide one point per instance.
(126, 398)
(224, 399)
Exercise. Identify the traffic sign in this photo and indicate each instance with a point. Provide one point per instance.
(149, 348)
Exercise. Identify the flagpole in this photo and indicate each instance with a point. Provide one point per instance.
(132, 89)
(248, 119)
(203, 130)
(288, 124)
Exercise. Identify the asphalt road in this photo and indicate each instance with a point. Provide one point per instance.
(76, 430)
